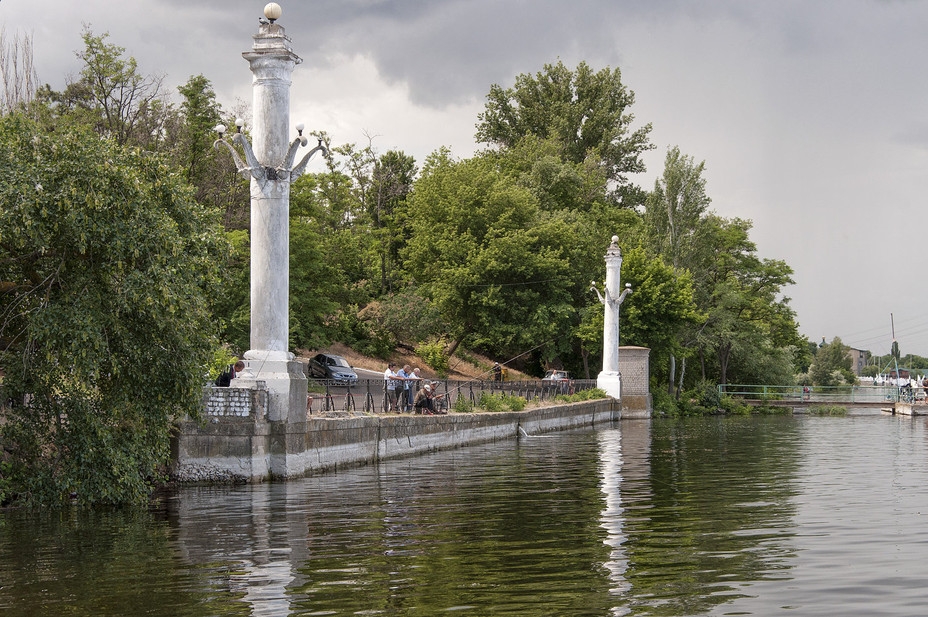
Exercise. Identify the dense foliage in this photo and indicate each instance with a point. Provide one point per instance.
(106, 266)
(109, 256)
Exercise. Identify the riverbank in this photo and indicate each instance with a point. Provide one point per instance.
(245, 447)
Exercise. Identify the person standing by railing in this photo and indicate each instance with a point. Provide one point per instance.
(391, 382)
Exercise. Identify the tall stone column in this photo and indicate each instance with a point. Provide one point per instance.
(610, 379)
(269, 164)
(272, 62)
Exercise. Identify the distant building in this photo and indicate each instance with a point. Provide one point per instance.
(858, 360)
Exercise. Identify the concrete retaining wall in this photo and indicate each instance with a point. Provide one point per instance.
(251, 449)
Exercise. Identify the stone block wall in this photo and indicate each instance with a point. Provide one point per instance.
(235, 402)
(232, 448)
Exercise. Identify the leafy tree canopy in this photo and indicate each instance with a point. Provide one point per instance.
(585, 112)
(480, 252)
(832, 365)
(106, 271)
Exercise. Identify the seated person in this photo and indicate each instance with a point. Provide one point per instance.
(423, 403)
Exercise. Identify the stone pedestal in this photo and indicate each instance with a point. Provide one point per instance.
(285, 382)
(610, 383)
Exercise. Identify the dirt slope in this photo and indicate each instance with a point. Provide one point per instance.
(460, 369)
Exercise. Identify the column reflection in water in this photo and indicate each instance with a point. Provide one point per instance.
(623, 456)
(610, 456)
(253, 537)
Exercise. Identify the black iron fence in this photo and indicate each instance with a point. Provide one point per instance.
(369, 395)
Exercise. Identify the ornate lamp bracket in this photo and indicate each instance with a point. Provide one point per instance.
(253, 168)
(250, 167)
(606, 299)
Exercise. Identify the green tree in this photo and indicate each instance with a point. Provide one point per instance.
(481, 254)
(106, 265)
(674, 214)
(201, 115)
(586, 112)
(832, 365)
(661, 304)
(190, 137)
(111, 95)
(392, 180)
(676, 207)
(314, 286)
(231, 305)
(742, 295)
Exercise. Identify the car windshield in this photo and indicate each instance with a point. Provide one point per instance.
(339, 361)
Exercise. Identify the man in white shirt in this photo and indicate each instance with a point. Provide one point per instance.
(391, 381)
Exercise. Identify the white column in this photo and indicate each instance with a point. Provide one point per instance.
(272, 63)
(269, 360)
(609, 379)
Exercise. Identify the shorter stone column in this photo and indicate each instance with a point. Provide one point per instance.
(610, 380)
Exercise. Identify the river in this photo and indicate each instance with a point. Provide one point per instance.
(797, 515)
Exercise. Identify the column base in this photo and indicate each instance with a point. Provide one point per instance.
(285, 382)
(611, 383)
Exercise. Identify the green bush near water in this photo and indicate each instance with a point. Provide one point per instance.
(827, 410)
(583, 395)
(499, 402)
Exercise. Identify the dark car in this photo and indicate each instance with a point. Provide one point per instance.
(333, 368)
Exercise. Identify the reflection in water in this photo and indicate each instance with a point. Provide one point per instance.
(718, 515)
(263, 579)
(708, 516)
(610, 445)
(624, 460)
(264, 587)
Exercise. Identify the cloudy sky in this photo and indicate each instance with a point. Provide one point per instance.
(811, 117)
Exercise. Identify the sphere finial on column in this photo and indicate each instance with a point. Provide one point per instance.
(272, 11)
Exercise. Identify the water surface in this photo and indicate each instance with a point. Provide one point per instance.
(738, 516)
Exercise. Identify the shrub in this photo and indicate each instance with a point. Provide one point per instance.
(583, 395)
(462, 405)
(409, 316)
(515, 403)
(361, 331)
(500, 402)
(433, 354)
(222, 358)
(732, 406)
(828, 410)
(5, 492)
(769, 410)
(491, 402)
(664, 404)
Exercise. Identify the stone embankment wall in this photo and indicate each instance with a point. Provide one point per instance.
(236, 443)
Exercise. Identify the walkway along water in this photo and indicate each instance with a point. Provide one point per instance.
(895, 399)
(237, 443)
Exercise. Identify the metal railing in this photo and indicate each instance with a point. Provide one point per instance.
(327, 397)
(825, 394)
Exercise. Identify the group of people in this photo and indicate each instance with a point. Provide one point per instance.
(403, 391)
